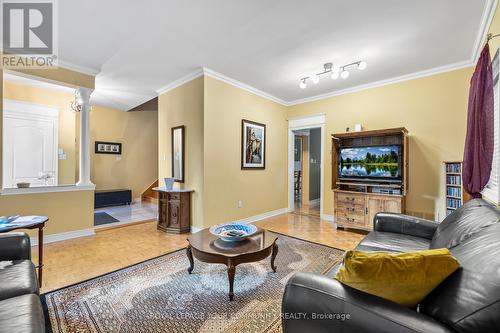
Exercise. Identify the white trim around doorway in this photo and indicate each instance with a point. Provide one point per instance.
(316, 121)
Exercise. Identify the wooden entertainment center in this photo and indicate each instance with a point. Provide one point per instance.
(357, 200)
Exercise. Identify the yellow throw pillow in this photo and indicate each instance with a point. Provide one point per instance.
(404, 278)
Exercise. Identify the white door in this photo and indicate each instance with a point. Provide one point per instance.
(29, 144)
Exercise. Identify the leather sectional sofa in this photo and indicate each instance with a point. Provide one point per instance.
(468, 301)
(20, 306)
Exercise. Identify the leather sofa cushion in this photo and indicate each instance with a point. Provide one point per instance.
(463, 223)
(17, 277)
(392, 242)
(469, 300)
(22, 314)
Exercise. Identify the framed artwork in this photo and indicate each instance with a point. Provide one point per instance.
(178, 152)
(253, 145)
(102, 147)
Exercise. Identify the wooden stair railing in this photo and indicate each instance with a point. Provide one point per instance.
(148, 195)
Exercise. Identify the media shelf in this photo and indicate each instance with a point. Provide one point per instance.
(455, 193)
(357, 200)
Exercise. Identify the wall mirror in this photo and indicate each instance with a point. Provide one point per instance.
(178, 149)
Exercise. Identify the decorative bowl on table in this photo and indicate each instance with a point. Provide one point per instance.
(233, 232)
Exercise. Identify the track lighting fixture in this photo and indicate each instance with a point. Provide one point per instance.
(334, 70)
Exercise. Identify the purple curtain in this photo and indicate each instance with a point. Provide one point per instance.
(478, 152)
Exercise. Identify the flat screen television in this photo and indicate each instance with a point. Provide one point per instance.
(374, 162)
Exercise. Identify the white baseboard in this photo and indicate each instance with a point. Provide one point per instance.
(195, 229)
(262, 216)
(63, 236)
(252, 219)
(314, 202)
(328, 217)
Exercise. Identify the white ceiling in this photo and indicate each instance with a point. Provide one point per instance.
(139, 47)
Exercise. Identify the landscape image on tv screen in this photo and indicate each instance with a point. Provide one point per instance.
(370, 162)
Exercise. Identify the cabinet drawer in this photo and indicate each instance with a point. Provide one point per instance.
(350, 208)
(360, 213)
(351, 198)
(351, 220)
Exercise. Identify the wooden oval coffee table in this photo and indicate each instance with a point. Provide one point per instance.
(209, 249)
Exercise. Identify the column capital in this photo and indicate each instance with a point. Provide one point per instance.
(83, 95)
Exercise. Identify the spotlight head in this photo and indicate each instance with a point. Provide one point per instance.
(302, 84)
(335, 75)
(362, 65)
(344, 74)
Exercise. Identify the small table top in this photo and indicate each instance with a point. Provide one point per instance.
(174, 190)
(204, 241)
(23, 222)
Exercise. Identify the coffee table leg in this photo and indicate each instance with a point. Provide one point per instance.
(273, 256)
(231, 270)
(190, 257)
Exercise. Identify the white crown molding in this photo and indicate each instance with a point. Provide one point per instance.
(179, 82)
(77, 68)
(376, 84)
(486, 19)
(241, 85)
(63, 236)
(484, 26)
(24, 80)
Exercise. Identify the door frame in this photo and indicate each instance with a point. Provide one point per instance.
(300, 123)
(31, 111)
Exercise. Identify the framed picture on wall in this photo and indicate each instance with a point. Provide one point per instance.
(102, 147)
(253, 145)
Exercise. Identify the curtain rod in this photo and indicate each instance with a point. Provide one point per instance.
(491, 36)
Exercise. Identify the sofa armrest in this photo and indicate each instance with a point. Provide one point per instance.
(404, 224)
(15, 246)
(316, 303)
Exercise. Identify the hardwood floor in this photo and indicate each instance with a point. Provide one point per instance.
(76, 260)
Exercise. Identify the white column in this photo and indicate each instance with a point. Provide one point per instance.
(83, 99)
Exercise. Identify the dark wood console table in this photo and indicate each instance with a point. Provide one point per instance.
(174, 210)
(37, 223)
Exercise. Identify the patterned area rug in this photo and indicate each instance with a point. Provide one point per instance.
(159, 295)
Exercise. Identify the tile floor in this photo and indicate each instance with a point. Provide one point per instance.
(135, 212)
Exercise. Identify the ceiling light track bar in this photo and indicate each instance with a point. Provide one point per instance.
(335, 71)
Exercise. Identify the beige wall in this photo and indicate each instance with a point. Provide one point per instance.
(433, 109)
(67, 122)
(62, 76)
(68, 211)
(184, 106)
(137, 167)
(260, 191)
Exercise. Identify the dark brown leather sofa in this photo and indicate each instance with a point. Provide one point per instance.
(467, 302)
(20, 306)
